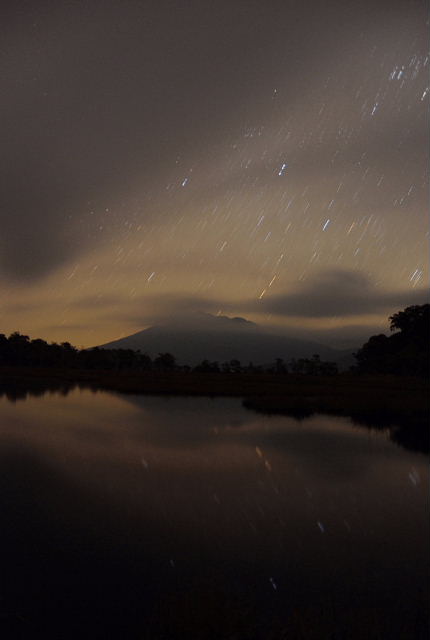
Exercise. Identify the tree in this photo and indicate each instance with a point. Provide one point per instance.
(373, 357)
(280, 366)
(313, 366)
(207, 367)
(165, 362)
(413, 321)
(235, 366)
(405, 352)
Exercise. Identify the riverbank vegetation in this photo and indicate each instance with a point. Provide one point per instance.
(389, 384)
(405, 352)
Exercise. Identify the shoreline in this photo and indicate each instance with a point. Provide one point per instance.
(345, 393)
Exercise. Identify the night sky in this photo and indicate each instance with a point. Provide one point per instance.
(261, 159)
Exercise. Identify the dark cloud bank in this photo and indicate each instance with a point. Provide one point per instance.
(333, 294)
(339, 293)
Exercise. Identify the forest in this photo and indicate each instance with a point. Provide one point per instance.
(406, 352)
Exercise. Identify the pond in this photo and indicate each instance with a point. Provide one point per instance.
(149, 517)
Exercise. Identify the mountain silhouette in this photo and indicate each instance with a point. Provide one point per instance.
(200, 336)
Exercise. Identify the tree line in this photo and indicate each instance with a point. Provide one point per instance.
(19, 350)
(405, 352)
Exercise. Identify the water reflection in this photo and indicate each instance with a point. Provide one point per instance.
(409, 434)
(145, 517)
(15, 392)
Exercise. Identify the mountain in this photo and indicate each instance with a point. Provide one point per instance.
(204, 336)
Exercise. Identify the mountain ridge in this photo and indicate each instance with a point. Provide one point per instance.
(220, 338)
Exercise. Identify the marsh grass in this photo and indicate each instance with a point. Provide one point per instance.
(385, 397)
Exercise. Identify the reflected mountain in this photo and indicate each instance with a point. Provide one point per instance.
(192, 517)
(411, 434)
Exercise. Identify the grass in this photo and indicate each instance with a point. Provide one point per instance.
(384, 397)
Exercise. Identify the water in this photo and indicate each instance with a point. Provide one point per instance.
(149, 517)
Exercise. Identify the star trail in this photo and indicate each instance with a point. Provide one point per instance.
(268, 160)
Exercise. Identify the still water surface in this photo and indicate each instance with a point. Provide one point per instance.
(147, 517)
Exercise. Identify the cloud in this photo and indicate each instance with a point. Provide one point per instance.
(343, 294)
(340, 293)
(145, 308)
(99, 98)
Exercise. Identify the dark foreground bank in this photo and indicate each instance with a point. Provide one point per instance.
(384, 399)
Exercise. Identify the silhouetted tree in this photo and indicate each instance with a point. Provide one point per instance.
(19, 350)
(313, 366)
(207, 367)
(165, 362)
(405, 352)
(280, 366)
(413, 321)
(235, 366)
(253, 368)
